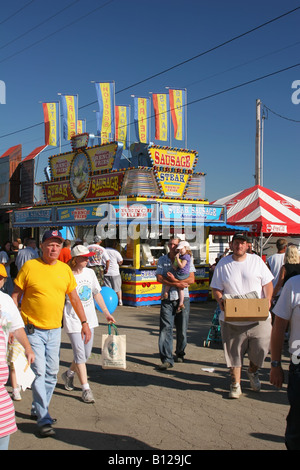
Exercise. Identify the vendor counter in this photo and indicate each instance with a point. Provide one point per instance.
(140, 287)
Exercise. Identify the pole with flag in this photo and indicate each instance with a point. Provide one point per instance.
(81, 126)
(106, 100)
(70, 113)
(52, 123)
(141, 115)
(122, 121)
(161, 109)
(178, 106)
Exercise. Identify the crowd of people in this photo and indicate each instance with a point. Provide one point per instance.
(33, 312)
(37, 308)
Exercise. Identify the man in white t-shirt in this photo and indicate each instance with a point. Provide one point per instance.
(100, 261)
(236, 274)
(112, 277)
(274, 262)
(287, 311)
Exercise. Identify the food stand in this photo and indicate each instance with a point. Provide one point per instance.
(137, 203)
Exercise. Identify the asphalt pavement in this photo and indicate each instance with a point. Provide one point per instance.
(185, 408)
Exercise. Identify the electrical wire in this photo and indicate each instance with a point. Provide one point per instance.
(180, 64)
(38, 25)
(279, 115)
(16, 12)
(56, 31)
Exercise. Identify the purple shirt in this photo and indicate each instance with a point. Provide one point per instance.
(186, 269)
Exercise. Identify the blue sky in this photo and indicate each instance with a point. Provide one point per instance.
(44, 51)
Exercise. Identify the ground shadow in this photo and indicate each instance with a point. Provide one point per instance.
(90, 440)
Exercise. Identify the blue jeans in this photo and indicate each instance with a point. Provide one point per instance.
(4, 442)
(292, 432)
(169, 318)
(46, 346)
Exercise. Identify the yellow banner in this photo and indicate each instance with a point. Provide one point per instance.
(71, 116)
(142, 119)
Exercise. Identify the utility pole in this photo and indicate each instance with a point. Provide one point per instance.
(258, 144)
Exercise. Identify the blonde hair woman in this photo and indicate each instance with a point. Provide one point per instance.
(290, 268)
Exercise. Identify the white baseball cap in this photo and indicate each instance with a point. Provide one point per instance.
(80, 250)
(183, 244)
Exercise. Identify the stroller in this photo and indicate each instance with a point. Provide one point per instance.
(214, 333)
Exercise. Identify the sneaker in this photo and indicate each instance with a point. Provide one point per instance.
(46, 431)
(165, 365)
(16, 394)
(235, 391)
(87, 396)
(120, 302)
(68, 381)
(179, 359)
(254, 381)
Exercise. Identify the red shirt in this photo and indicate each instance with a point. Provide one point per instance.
(65, 255)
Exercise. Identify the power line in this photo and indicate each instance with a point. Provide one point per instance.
(279, 115)
(213, 95)
(179, 64)
(201, 54)
(57, 31)
(16, 12)
(38, 25)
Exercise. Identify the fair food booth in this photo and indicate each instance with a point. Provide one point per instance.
(136, 203)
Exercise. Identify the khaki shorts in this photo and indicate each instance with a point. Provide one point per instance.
(253, 339)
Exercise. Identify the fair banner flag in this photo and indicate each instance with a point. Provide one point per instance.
(161, 109)
(69, 111)
(177, 106)
(51, 119)
(106, 101)
(122, 120)
(141, 107)
(81, 126)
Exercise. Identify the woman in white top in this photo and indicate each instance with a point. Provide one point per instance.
(88, 289)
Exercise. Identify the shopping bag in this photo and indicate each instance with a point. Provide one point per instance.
(113, 354)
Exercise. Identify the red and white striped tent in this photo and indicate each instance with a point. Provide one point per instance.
(264, 211)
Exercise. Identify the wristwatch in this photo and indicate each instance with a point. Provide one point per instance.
(275, 363)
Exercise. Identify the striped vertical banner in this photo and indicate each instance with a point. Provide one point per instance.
(106, 100)
(161, 109)
(81, 126)
(177, 106)
(69, 111)
(122, 120)
(51, 119)
(141, 107)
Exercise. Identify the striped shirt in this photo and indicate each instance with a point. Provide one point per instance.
(7, 411)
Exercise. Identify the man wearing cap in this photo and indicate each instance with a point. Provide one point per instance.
(42, 284)
(168, 310)
(237, 274)
(100, 261)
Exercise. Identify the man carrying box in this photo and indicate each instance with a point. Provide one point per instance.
(238, 274)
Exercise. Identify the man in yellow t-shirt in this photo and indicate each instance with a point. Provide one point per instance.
(42, 284)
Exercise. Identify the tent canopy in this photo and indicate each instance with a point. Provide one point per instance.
(264, 211)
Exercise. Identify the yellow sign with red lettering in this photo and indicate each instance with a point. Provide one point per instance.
(173, 158)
